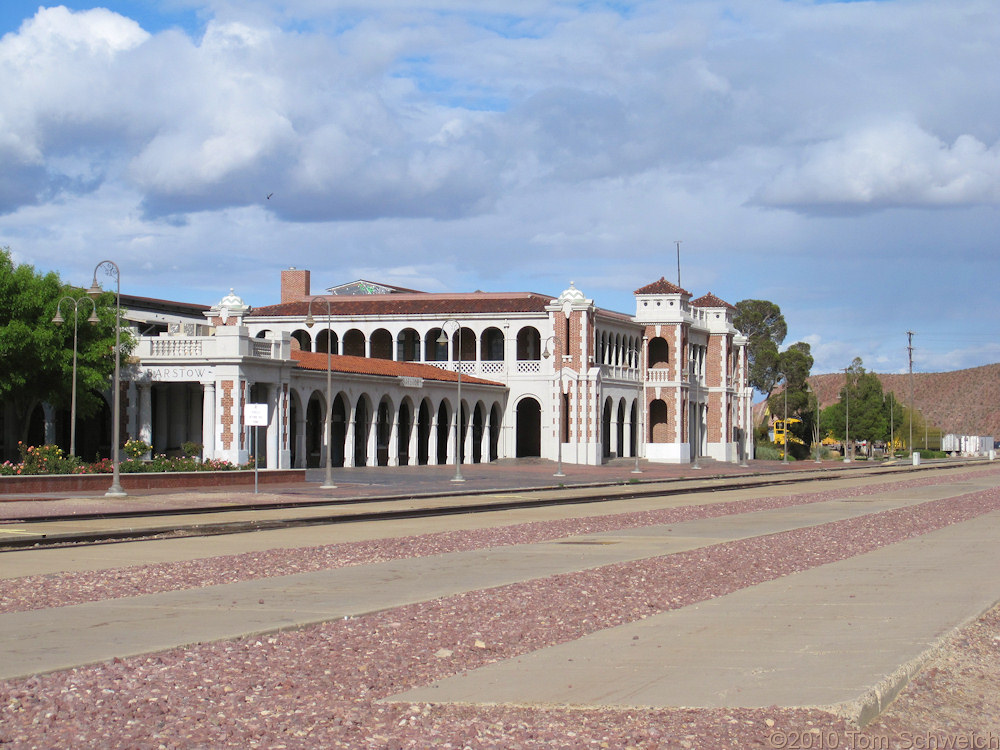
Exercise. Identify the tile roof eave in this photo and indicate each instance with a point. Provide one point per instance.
(349, 365)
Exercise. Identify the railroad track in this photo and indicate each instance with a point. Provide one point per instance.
(105, 528)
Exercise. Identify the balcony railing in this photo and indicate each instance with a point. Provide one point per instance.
(658, 375)
(153, 348)
(619, 372)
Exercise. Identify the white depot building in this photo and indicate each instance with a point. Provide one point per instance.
(370, 374)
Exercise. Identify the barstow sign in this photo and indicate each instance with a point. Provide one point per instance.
(179, 374)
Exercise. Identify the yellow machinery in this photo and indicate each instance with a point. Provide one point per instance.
(780, 433)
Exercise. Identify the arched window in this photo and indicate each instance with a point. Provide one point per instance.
(408, 346)
(433, 351)
(659, 353)
(529, 344)
(491, 345)
(354, 343)
(381, 344)
(468, 345)
(302, 341)
(326, 341)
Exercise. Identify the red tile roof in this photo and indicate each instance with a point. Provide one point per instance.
(710, 300)
(413, 304)
(617, 316)
(343, 363)
(662, 287)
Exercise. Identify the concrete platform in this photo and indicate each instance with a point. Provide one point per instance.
(844, 637)
(33, 642)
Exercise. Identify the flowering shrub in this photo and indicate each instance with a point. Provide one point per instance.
(44, 459)
(191, 449)
(50, 459)
(135, 448)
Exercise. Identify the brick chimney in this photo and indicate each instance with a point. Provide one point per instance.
(294, 285)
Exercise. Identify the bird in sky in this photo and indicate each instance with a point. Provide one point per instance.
(269, 196)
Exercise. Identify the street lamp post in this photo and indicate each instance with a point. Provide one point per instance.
(111, 269)
(784, 427)
(816, 426)
(694, 410)
(310, 322)
(443, 339)
(559, 436)
(58, 320)
(847, 416)
(640, 406)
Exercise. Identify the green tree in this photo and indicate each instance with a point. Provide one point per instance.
(794, 366)
(36, 355)
(863, 409)
(764, 326)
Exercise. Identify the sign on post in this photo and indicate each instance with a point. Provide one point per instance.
(255, 415)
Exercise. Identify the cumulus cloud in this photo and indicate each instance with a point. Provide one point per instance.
(443, 135)
(57, 72)
(889, 165)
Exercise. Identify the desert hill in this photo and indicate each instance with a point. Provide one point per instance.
(966, 402)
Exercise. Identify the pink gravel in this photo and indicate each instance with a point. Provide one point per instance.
(57, 590)
(320, 686)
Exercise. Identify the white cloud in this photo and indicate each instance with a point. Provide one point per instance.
(889, 165)
(518, 145)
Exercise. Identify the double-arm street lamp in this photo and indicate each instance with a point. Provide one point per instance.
(58, 320)
(111, 269)
(310, 322)
(443, 340)
(559, 429)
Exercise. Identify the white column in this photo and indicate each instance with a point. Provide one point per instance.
(450, 440)
(274, 426)
(146, 413)
(394, 440)
(414, 451)
(432, 440)
(207, 420)
(484, 440)
(371, 459)
(468, 443)
(349, 436)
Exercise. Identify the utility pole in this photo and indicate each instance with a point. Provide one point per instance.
(847, 415)
(678, 243)
(909, 349)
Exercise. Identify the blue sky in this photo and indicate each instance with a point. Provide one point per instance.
(839, 159)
